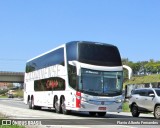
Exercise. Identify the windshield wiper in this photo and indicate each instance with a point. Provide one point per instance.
(90, 91)
(114, 91)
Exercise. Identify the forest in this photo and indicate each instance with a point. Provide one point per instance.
(143, 67)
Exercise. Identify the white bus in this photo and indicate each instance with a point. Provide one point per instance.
(79, 76)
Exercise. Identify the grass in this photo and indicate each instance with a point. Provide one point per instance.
(125, 107)
(4, 96)
(11, 126)
(19, 93)
(143, 79)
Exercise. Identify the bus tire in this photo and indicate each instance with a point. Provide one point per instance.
(30, 104)
(63, 107)
(56, 105)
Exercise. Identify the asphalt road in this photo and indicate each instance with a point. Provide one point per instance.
(16, 110)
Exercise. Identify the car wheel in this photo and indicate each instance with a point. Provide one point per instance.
(134, 111)
(157, 112)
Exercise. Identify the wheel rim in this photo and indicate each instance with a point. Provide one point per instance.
(157, 112)
(56, 105)
(63, 106)
(134, 110)
(32, 103)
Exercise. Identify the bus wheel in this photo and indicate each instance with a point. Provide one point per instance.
(32, 106)
(57, 108)
(101, 113)
(31, 103)
(63, 107)
(92, 113)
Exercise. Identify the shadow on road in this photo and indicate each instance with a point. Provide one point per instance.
(86, 114)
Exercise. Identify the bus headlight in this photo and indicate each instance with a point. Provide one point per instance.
(118, 100)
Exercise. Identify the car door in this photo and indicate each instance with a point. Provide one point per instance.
(149, 100)
(141, 99)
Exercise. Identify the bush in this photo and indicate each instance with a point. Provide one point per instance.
(19, 93)
(3, 92)
(126, 107)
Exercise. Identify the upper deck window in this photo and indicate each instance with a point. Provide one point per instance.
(50, 59)
(99, 54)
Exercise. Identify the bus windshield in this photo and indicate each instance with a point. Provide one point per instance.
(101, 83)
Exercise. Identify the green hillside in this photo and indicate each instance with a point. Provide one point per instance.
(143, 79)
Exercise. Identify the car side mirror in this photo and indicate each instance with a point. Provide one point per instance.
(151, 95)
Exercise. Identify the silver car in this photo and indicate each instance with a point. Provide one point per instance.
(145, 100)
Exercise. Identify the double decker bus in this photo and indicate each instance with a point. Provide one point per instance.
(76, 76)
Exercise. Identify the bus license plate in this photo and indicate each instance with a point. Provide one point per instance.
(102, 108)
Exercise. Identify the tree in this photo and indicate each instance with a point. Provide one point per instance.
(142, 67)
(10, 85)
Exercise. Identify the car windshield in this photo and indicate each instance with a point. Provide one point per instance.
(157, 91)
(101, 83)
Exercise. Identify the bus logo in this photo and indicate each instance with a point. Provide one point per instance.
(6, 122)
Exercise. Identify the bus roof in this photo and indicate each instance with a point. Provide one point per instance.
(91, 42)
(63, 45)
(47, 52)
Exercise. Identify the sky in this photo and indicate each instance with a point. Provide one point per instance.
(31, 27)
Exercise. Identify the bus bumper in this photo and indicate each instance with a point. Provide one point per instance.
(114, 107)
